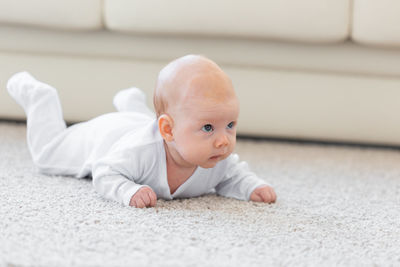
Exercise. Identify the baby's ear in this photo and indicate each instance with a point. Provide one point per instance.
(165, 124)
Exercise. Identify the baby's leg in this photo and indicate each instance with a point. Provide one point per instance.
(42, 107)
(132, 100)
(48, 141)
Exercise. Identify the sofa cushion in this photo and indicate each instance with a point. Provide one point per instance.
(306, 20)
(71, 14)
(344, 58)
(377, 22)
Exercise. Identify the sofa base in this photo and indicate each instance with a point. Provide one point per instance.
(289, 104)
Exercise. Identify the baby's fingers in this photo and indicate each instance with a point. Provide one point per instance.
(256, 197)
(146, 198)
(153, 198)
(139, 203)
(273, 194)
(268, 196)
(264, 195)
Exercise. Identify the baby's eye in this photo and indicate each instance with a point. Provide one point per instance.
(207, 128)
(231, 124)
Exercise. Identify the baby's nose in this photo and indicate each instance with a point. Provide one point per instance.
(222, 141)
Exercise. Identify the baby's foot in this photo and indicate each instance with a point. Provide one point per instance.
(133, 100)
(124, 99)
(25, 89)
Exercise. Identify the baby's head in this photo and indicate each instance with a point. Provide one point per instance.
(197, 111)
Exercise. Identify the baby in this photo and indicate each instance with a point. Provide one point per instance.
(135, 156)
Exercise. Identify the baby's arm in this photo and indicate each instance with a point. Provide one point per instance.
(118, 188)
(113, 178)
(243, 184)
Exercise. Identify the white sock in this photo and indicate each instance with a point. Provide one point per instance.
(132, 100)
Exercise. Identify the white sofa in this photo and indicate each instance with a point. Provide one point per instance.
(310, 69)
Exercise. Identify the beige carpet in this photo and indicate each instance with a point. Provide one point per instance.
(336, 206)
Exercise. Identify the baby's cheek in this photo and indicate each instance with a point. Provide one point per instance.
(232, 144)
(193, 148)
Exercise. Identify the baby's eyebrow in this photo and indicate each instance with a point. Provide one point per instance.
(205, 121)
(213, 121)
(213, 118)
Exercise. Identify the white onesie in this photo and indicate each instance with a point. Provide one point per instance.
(122, 151)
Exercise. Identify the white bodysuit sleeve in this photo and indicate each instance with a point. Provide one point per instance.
(239, 182)
(113, 176)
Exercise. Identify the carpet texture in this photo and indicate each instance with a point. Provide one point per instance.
(336, 206)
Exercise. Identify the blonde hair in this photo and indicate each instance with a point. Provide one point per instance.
(173, 76)
(159, 101)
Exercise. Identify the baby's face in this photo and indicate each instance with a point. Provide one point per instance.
(198, 111)
(205, 130)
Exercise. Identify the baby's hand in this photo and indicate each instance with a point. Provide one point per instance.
(263, 194)
(144, 197)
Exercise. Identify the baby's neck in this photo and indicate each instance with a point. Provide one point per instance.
(177, 173)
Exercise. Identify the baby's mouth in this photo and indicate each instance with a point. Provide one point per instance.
(216, 157)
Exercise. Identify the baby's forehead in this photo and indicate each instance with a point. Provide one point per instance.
(207, 88)
(205, 108)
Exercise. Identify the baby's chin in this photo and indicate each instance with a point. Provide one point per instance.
(212, 161)
(208, 165)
